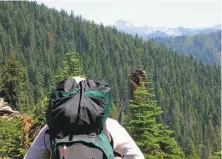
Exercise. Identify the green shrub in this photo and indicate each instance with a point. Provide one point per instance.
(11, 138)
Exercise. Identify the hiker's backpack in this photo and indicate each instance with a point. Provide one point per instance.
(76, 115)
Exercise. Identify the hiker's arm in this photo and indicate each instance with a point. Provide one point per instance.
(123, 143)
(38, 149)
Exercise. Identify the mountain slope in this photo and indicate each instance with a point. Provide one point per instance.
(204, 47)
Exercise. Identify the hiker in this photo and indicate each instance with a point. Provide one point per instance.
(122, 143)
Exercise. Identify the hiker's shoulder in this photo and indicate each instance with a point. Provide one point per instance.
(111, 121)
(44, 129)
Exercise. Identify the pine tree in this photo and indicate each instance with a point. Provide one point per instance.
(114, 112)
(154, 139)
(14, 78)
(71, 67)
(1, 66)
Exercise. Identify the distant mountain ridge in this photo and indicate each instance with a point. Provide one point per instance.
(204, 47)
(148, 31)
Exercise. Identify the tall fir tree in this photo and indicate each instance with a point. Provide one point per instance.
(14, 80)
(71, 67)
(154, 139)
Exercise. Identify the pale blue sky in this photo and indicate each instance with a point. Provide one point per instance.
(167, 13)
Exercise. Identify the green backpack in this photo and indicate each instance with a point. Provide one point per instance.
(76, 115)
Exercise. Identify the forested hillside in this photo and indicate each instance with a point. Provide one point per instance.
(34, 40)
(204, 47)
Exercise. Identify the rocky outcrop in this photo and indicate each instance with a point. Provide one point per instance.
(6, 111)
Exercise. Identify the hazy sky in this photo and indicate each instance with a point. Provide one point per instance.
(168, 13)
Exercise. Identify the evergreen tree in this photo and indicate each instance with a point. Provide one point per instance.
(114, 112)
(1, 66)
(14, 80)
(154, 139)
(71, 67)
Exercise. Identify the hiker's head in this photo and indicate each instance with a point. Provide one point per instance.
(68, 84)
(78, 78)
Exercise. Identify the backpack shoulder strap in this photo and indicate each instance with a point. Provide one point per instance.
(49, 153)
(116, 154)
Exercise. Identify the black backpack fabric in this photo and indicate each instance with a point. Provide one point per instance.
(76, 115)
